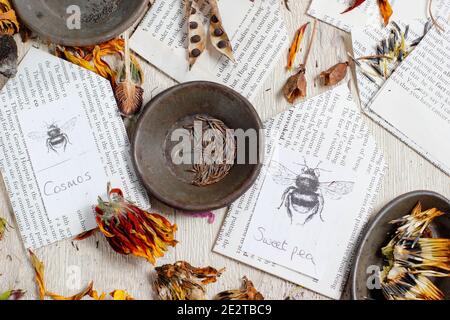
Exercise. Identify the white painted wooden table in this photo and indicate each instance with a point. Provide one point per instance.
(70, 266)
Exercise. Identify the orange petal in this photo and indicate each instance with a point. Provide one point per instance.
(385, 10)
(39, 270)
(296, 45)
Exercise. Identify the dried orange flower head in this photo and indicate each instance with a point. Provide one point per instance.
(247, 292)
(131, 230)
(181, 281)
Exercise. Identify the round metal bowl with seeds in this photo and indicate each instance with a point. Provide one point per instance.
(198, 146)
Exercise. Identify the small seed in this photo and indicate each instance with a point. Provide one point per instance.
(193, 11)
(214, 19)
(193, 25)
(218, 32)
(196, 39)
(196, 52)
(222, 44)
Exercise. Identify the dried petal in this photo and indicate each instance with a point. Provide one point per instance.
(79, 296)
(12, 295)
(335, 74)
(181, 281)
(219, 37)
(295, 86)
(120, 295)
(8, 56)
(131, 230)
(85, 235)
(356, 4)
(39, 270)
(248, 292)
(385, 10)
(196, 32)
(296, 45)
(8, 20)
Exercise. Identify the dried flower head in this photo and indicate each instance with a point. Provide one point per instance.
(335, 74)
(181, 281)
(248, 292)
(8, 19)
(131, 230)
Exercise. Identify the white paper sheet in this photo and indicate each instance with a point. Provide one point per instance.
(415, 100)
(331, 128)
(257, 33)
(61, 141)
(368, 13)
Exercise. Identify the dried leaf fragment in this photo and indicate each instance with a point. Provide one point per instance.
(3, 227)
(355, 5)
(12, 295)
(181, 281)
(335, 74)
(196, 32)
(248, 292)
(39, 270)
(293, 50)
(385, 10)
(131, 230)
(295, 86)
(219, 37)
(8, 56)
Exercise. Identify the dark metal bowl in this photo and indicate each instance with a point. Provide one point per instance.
(101, 20)
(152, 146)
(379, 232)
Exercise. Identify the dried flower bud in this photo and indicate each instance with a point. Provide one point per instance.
(131, 230)
(219, 37)
(181, 281)
(334, 75)
(295, 86)
(248, 292)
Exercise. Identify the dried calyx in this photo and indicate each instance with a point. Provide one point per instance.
(181, 281)
(247, 292)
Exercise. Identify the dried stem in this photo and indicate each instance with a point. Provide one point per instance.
(311, 41)
(433, 19)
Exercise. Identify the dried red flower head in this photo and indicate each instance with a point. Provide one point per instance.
(131, 230)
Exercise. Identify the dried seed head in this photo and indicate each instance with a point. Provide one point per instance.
(219, 37)
(196, 32)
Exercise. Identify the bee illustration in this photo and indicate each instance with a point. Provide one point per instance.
(305, 196)
(56, 136)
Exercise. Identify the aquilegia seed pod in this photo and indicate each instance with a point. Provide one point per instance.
(131, 230)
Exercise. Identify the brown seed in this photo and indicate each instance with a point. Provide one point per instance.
(222, 44)
(218, 32)
(193, 11)
(193, 25)
(195, 53)
(196, 39)
(214, 19)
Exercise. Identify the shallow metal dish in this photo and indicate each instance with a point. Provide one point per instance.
(152, 145)
(100, 20)
(379, 232)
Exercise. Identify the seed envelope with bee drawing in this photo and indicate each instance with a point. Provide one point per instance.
(304, 200)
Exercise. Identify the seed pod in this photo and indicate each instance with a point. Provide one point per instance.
(219, 37)
(196, 32)
(334, 75)
(295, 86)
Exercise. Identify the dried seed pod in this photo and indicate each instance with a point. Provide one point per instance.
(334, 75)
(295, 86)
(196, 32)
(219, 37)
(248, 292)
(8, 56)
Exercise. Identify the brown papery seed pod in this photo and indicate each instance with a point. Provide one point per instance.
(219, 37)
(295, 86)
(196, 32)
(335, 74)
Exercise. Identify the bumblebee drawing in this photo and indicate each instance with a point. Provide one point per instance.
(56, 136)
(305, 198)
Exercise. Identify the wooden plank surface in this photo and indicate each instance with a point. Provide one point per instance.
(70, 266)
